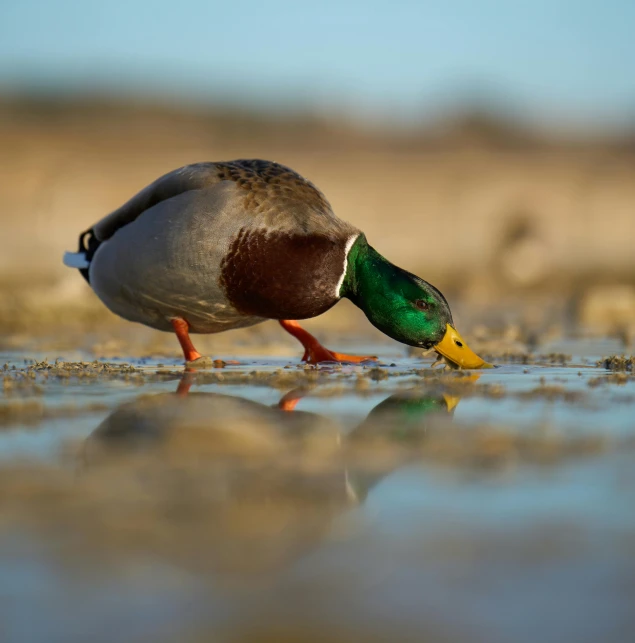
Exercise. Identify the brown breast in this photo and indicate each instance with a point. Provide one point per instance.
(282, 275)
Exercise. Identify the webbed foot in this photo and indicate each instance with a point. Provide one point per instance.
(314, 352)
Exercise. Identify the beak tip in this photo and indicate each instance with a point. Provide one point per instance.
(454, 349)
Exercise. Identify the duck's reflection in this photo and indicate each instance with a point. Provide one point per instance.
(241, 487)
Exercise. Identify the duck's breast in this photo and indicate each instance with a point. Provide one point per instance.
(284, 274)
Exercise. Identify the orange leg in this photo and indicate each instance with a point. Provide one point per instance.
(314, 352)
(182, 330)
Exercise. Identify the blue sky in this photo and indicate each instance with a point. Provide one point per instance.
(563, 61)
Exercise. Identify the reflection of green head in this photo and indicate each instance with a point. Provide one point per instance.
(410, 406)
(402, 417)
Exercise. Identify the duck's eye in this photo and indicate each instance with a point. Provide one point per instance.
(422, 305)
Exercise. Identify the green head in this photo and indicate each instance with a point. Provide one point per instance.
(398, 303)
(402, 305)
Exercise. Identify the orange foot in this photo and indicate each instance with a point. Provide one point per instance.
(182, 330)
(314, 352)
(193, 359)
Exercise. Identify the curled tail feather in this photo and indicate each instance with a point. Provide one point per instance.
(88, 244)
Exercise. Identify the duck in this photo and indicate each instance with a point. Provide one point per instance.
(214, 246)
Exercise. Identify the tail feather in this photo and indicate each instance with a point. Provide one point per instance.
(76, 260)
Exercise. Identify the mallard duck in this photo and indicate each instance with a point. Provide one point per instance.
(214, 246)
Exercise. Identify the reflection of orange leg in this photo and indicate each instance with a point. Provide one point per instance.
(185, 383)
(182, 330)
(314, 352)
(289, 401)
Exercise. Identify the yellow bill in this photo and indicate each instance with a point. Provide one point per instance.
(454, 349)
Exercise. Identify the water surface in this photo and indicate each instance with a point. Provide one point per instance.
(268, 502)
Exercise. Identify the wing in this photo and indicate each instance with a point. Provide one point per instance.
(281, 197)
(190, 177)
(185, 179)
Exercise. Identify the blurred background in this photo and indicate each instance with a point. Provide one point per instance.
(487, 146)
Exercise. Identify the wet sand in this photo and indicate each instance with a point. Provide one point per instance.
(271, 501)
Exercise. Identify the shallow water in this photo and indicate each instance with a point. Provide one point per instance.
(269, 502)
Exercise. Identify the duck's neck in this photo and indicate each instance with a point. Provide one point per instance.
(369, 281)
